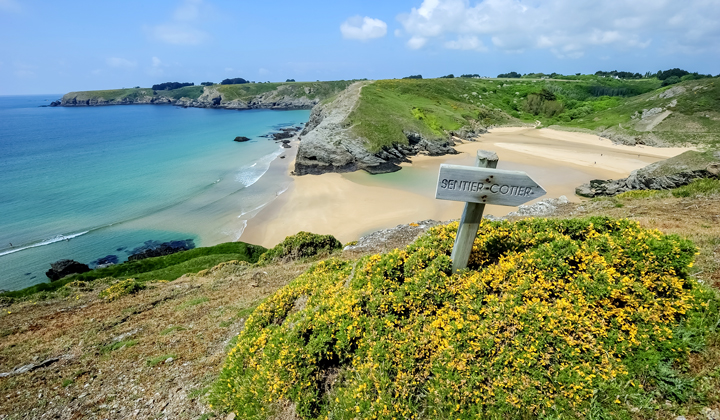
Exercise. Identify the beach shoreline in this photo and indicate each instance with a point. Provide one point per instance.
(349, 205)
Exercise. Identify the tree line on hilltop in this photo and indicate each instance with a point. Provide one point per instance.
(178, 85)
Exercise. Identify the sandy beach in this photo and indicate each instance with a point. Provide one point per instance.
(350, 205)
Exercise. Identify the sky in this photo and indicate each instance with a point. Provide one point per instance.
(54, 47)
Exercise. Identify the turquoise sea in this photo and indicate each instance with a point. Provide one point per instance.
(85, 183)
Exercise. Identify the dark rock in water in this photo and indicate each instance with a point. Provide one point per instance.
(283, 135)
(27, 274)
(122, 248)
(63, 268)
(55, 103)
(241, 139)
(155, 249)
(105, 261)
(286, 146)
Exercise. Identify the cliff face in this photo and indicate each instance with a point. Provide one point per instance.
(329, 145)
(283, 97)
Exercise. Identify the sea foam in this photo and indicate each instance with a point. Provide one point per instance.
(57, 238)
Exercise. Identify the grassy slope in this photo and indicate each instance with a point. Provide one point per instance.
(111, 94)
(430, 107)
(192, 92)
(434, 106)
(168, 267)
(311, 90)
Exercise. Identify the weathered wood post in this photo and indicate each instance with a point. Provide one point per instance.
(477, 186)
(471, 218)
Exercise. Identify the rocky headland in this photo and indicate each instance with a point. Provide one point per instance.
(664, 175)
(280, 96)
(328, 143)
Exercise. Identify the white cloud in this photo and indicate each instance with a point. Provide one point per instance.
(466, 42)
(178, 34)
(156, 67)
(416, 42)
(188, 11)
(119, 62)
(182, 30)
(363, 28)
(567, 28)
(9, 6)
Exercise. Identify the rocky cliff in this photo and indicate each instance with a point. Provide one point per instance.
(249, 96)
(328, 143)
(664, 175)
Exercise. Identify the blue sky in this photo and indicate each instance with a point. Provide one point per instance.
(56, 47)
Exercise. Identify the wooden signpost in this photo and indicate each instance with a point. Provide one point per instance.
(478, 186)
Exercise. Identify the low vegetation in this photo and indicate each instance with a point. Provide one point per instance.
(554, 319)
(300, 246)
(168, 267)
(311, 90)
(618, 107)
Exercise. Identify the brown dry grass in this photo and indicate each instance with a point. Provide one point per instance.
(192, 319)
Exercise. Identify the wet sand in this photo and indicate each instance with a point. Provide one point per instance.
(350, 205)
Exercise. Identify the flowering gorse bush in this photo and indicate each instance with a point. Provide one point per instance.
(552, 318)
(122, 288)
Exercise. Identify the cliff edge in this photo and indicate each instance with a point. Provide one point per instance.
(329, 142)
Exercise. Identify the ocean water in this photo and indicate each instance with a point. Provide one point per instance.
(85, 183)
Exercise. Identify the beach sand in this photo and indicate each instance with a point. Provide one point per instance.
(350, 205)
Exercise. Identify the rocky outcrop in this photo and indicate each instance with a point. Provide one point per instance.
(241, 139)
(151, 249)
(281, 98)
(329, 145)
(64, 268)
(544, 207)
(664, 175)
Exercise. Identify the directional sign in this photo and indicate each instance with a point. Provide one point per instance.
(477, 186)
(486, 186)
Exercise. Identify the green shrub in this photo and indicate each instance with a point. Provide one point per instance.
(552, 319)
(301, 245)
(670, 81)
(122, 288)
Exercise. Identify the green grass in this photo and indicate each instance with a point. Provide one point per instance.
(117, 346)
(698, 188)
(311, 90)
(172, 329)
(154, 361)
(434, 107)
(111, 94)
(168, 267)
(192, 92)
(193, 302)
